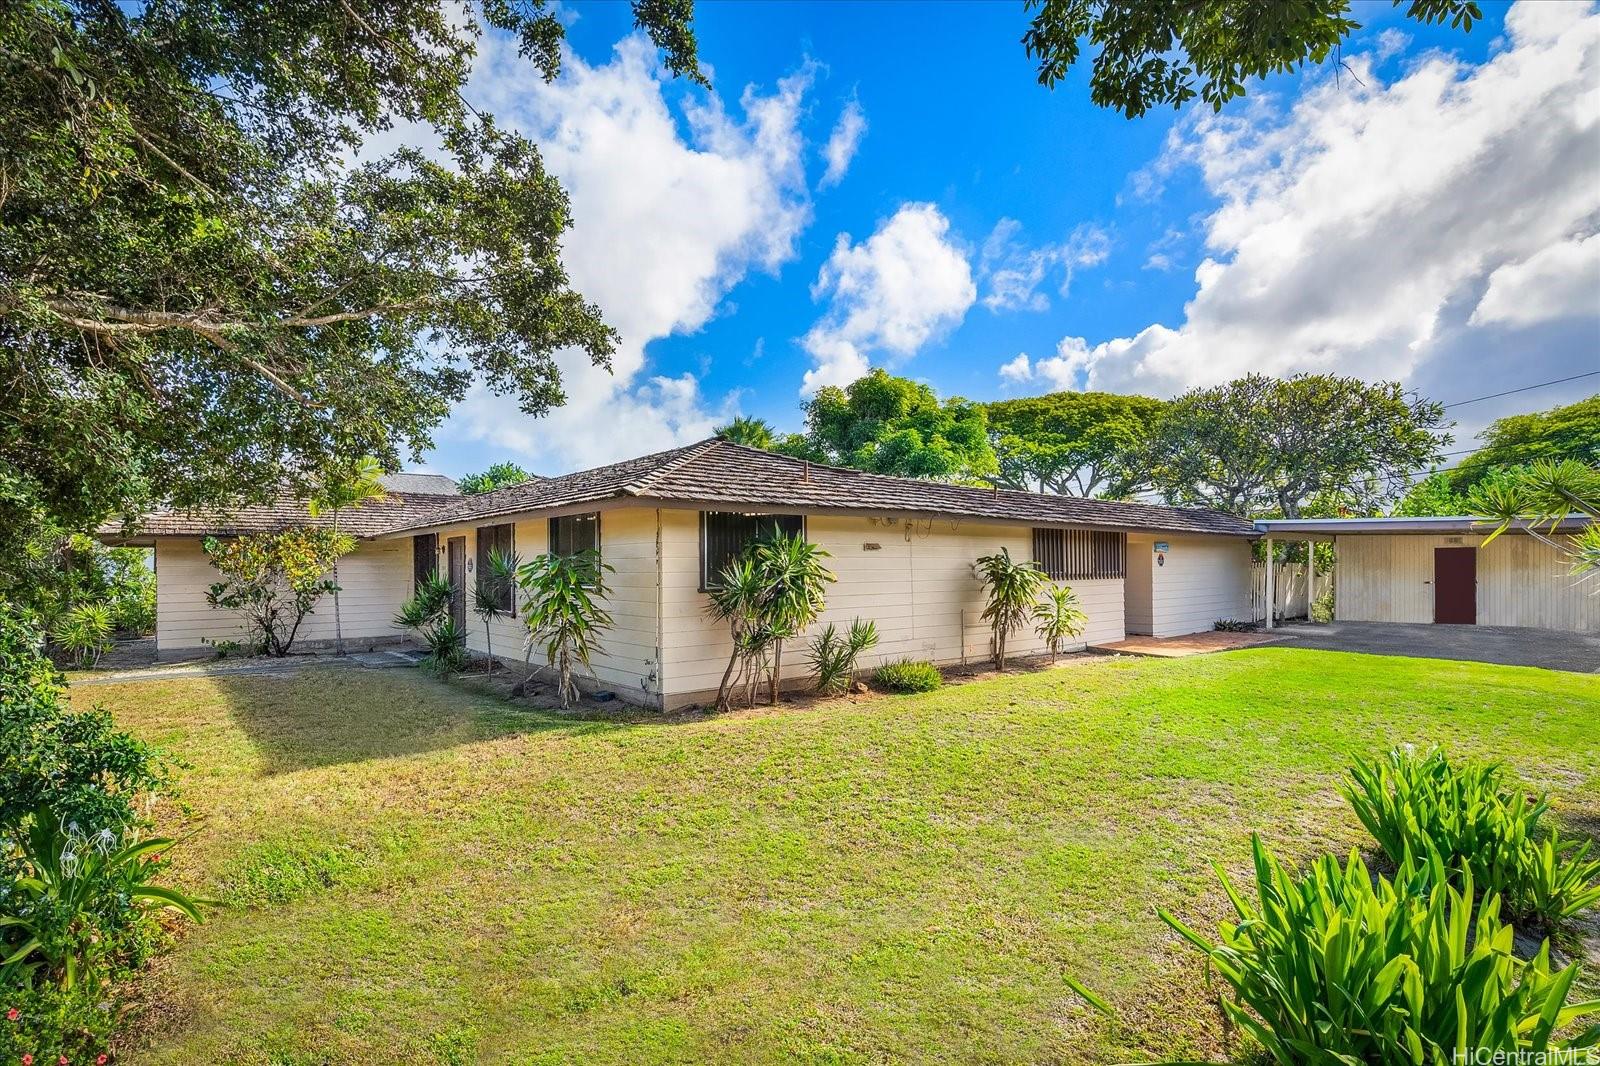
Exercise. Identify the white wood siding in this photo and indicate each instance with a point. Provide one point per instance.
(1521, 582)
(627, 660)
(916, 584)
(1202, 579)
(375, 579)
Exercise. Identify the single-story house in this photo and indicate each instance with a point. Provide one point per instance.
(902, 549)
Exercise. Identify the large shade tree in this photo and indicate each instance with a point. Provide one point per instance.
(213, 280)
(893, 425)
(1155, 53)
(1569, 432)
(1074, 443)
(1261, 444)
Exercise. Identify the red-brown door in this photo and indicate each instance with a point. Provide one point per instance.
(1455, 586)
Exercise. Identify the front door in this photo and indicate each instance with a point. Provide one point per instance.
(1455, 586)
(457, 564)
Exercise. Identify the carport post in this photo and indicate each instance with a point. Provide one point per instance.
(1272, 589)
(1311, 576)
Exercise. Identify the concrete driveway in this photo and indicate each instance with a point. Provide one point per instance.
(1549, 648)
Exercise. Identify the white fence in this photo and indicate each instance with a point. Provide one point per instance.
(1290, 599)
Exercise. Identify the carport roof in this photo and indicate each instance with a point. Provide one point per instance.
(1450, 524)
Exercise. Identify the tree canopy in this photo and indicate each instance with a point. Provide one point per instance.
(1570, 432)
(1151, 53)
(751, 432)
(213, 283)
(498, 476)
(1074, 443)
(893, 425)
(1260, 444)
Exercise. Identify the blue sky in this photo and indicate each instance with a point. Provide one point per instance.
(1428, 216)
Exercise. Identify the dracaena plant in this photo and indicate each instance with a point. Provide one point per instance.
(833, 654)
(491, 597)
(1011, 590)
(1058, 617)
(565, 611)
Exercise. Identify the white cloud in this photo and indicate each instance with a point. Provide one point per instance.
(664, 225)
(1357, 231)
(1560, 281)
(1058, 373)
(1013, 271)
(843, 142)
(892, 293)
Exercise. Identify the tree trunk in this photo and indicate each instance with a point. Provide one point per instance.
(338, 622)
(722, 689)
(777, 667)
(1000, 650)
(488, 642)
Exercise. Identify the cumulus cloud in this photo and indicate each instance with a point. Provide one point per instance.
(1012, 270)
(1383, 229)
(665, 223)
(843, 142)
(903, 286)
(1056, 373)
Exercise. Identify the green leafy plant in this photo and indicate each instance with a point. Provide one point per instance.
(1337, 966)
(1012, 591)
(489, 596)
(1543, 494)
(1234, 625)
(564, 611)
(736, 599)
(793, 580)
(833, 654)
(1472, 818)
(427, 614)
(73, 761)
(1058, 617)
(1322, 608)
(908, 675)
(85, 633)
(274, 580)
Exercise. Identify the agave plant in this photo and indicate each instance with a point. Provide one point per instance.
(1334, 966)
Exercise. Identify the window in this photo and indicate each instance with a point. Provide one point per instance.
(723, 535)
(1079, 554)
(424, 557)
(573, 533)
(495, 539)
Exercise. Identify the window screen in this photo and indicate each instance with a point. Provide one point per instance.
(723, 535)
(495, 539)
(573, 533)
(424, 557)
(1079, 554)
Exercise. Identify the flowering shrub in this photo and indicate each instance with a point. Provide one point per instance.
(275, 579)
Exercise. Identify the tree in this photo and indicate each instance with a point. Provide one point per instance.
(1058, 617)
(1570, 432)
(893, 425)
(736, 600)
(1156, 52)
(1544, 493)
(1012, 592)
(212, 282)
(1260, 443)
(489, 593)
(1074, 443)
(275, 579)
(345, 485)
(497, 476)
(564, 611)
(751, 432)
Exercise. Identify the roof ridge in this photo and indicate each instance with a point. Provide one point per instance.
(688, 454)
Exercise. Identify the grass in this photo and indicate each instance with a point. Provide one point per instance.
(412, 873)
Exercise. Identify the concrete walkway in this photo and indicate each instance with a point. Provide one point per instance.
(1509, 646)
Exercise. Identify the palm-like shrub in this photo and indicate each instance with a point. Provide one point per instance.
(833, 654)
(427, 614)
(84, 632)
(793, 580)
(1012, 590)
(564, 612)
(908, 675)
(1058, 617)
(1469, 815)
(736, 600)
(488, 593)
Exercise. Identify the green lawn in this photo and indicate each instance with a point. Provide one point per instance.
(413, 873)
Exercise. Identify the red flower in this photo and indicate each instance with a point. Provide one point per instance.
(12, 1014)
(62, 1061)
(27, 1060)
(101, 1061)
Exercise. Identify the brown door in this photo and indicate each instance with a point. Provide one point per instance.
(1455, 586)
(457, 564)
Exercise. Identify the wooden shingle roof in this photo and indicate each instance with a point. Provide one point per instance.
(720, 473)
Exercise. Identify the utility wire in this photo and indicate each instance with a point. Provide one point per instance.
(1525, 388)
